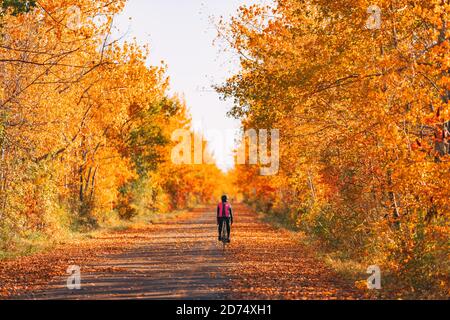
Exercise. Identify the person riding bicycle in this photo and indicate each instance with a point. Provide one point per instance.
(224, 214)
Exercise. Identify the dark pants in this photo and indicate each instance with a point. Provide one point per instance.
(227, 222)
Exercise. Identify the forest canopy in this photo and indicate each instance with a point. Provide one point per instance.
(364, 118)
(85, 124)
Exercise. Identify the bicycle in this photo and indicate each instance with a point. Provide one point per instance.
(224, 235)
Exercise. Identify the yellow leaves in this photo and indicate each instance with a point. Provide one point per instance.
(82, 124)
(363, 125)
(361, 284)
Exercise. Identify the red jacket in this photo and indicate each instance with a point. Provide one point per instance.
(224, 210)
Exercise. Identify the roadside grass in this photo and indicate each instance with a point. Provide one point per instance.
(278, 221)
(40, 242)
(346, 268)
(351, 270)
(140, 221)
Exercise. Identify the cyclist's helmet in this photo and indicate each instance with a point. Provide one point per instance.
(224, 198)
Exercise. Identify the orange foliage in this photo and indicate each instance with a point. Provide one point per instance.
(364, 119)
(85, 125)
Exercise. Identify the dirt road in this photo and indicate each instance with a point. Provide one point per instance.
(179, 259)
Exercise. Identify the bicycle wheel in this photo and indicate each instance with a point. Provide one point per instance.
(224, 233)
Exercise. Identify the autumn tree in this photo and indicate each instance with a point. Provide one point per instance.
(85, 123)
(363, 113)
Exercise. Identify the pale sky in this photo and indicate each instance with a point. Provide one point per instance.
(181, 34)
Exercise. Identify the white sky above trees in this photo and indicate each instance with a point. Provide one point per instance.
(181, 33)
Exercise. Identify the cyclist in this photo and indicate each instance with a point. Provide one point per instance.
(224, 213)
